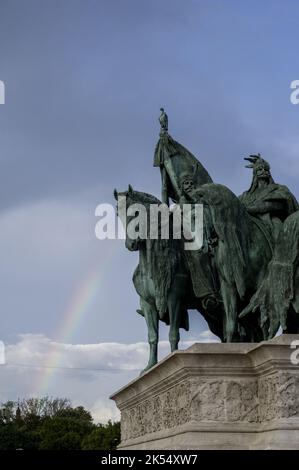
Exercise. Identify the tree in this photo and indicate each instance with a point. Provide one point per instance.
(47, 423)
(42, 407)
(103, 437)
(67, 429)
(9, 437)
(76, 413)
(7, 412)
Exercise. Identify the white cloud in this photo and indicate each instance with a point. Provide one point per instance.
(37, 349)
(103, 412)
(85, 373)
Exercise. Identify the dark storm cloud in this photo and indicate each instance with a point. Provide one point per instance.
(85, 80)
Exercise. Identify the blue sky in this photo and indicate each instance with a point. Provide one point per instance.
(84, 84)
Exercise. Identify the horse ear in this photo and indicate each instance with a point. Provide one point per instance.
(130, 189)
(115, 193)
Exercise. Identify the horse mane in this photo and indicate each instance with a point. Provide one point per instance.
(146, 198)
(232, 225)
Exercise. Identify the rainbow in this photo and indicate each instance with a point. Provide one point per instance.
(81, 303)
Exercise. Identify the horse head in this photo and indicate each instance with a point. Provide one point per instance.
(223, 205)
(133, 210)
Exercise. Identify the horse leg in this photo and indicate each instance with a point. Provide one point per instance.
(174, 308)
(230, 307)
(152, 321)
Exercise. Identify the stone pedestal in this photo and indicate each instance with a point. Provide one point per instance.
(215, 396)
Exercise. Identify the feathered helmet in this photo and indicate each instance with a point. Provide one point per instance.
(260, 168)
(256, 161)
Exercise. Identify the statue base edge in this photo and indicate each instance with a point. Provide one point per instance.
(215, 396)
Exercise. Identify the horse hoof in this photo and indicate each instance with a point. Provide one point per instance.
(148, 367)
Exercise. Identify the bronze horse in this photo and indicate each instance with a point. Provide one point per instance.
(242, 254)
(162, 281)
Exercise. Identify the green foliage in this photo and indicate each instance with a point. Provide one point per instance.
(9, 436)
(7, 412)
(103, 437)
(53, 424)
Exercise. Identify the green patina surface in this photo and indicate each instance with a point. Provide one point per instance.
(244, 279)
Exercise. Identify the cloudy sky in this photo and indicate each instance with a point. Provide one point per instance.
(84, 83)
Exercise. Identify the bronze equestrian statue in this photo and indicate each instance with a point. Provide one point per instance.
(244, 277)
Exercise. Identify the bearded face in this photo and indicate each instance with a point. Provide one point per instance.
(187, 185)
(263, 172)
